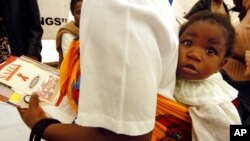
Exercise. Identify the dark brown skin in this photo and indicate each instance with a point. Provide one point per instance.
(168, 139)
(71, 132)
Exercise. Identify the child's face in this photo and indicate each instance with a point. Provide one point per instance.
(201, 51)
(77, 12)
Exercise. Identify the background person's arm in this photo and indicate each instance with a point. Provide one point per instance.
(35, 30)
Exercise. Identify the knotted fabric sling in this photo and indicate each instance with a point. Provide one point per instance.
(172, 120)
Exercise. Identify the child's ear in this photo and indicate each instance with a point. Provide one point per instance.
(223, 62)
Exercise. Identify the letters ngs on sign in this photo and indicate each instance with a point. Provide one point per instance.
(53, 21)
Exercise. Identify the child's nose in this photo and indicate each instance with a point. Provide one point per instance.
(194, 55)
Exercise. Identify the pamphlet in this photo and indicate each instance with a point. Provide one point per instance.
(21, 76)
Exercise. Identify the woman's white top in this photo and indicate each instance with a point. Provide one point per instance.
(67, 38)
(129, 51)
(210, 107)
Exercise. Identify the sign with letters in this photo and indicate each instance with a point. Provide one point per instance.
(54, 14)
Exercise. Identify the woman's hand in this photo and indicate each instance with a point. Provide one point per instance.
(33, 113)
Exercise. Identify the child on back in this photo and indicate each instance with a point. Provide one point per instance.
(205, 43)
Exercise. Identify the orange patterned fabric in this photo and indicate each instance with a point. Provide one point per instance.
(172, 120)
(69, 71)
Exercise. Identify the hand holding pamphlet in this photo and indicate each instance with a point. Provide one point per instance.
(21, 76)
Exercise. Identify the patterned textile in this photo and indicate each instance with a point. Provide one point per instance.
(70, 74)
(4, 49)
(172, 120)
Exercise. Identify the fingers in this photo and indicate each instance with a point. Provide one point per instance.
(33, 106)
(34, 101)
(22, 112)
(33, 113)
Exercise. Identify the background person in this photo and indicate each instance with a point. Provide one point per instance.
(69, 31)
(24, 30)
(236, 71)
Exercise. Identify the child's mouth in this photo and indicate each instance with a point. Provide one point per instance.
(189, 69)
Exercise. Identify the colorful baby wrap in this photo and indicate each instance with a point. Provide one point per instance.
(172, 120)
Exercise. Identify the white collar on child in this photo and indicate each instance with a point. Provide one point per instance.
(213, 90)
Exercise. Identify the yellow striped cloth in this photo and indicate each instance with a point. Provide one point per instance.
(169, 107)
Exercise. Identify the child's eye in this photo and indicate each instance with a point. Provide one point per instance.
(187, 42)
(211, 51)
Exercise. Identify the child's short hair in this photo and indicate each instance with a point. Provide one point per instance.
(218, 19)
(72, 5)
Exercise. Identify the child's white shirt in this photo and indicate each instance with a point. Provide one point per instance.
(210, 107)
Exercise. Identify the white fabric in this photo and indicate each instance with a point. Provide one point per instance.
(210, 107)
(67, 38)
(128, 53)
(11, 124)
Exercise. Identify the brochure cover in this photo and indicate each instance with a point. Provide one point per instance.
(21, 76)
(26, 77)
